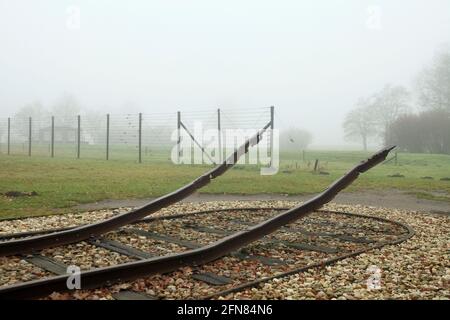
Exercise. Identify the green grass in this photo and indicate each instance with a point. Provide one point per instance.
(63, 182)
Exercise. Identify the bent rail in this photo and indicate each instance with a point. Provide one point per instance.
(208, 253)
(410, 233)
(95, 229)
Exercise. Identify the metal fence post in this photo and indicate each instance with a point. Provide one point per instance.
(271, 130)
(29, 136)
(9, 135)
(219, 132)
(53, 138)
(107, 136)
(78, 136)
(140, 138)
(178, 136)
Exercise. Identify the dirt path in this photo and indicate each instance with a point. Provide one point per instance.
(388, 199)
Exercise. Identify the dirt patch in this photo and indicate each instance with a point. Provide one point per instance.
(393, 199)
(16, 194)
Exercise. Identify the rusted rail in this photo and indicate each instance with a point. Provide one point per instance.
(195, 257)
(95, 229)
(409, 233)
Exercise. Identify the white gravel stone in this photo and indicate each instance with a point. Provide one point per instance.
(415, 269)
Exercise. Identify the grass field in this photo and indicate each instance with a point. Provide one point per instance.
(64, 182)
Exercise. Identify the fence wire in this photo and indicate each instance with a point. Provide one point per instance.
(158, 136)
(146, 137)
(3, 136)
(19, 134)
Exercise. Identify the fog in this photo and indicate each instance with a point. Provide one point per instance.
(312, 61)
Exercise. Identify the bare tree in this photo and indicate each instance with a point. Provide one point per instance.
(405, 133)
(295, 139)
(66, 109)
(435, 129)
(428, 131)
(359, 124)
(433, 83)
(34, 109)
(388, 104)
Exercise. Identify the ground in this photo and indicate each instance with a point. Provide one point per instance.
(415, 269)
(393, 199)
(62, 183)
(415, 190)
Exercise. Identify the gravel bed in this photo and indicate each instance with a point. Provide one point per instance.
(55, 221)
(345, 224)
(326, 242)
(15, 269)
(417, 268)
(292, 256)
(180, 284)
(154, 247)
(176, 230)
(76, 219)
(85, 256)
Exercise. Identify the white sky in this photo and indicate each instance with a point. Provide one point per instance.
(311, 60)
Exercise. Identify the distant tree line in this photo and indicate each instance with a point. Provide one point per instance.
(388, 114)
(427, 131)
(93, 125)
(65, 109)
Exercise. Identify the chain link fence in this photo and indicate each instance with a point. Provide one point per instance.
(139, 136)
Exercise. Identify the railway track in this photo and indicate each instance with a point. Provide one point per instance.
(322, 238)
(161, 248)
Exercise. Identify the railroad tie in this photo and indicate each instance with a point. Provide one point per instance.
(208, 229)
(194, 245)
(162, 237)
(212, 278)
(132, 295)
(354, 229)
(271, 261)
(47, 263)
(121, 248)
(309, 247)
(263, 259)
(343, 237)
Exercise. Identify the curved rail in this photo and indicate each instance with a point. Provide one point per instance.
(95, 229)
(410, 233)
(184, 215)
(208, 253)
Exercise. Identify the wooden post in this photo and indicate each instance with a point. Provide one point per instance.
(9, 135)
(140, 138)
(52, 138)
(219, 132)
(29, 137)
(316, 164)
(107, 136)
(78, 137)
(395, 159)
(178, 136)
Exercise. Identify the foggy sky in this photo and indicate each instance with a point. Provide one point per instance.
(310, 60)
